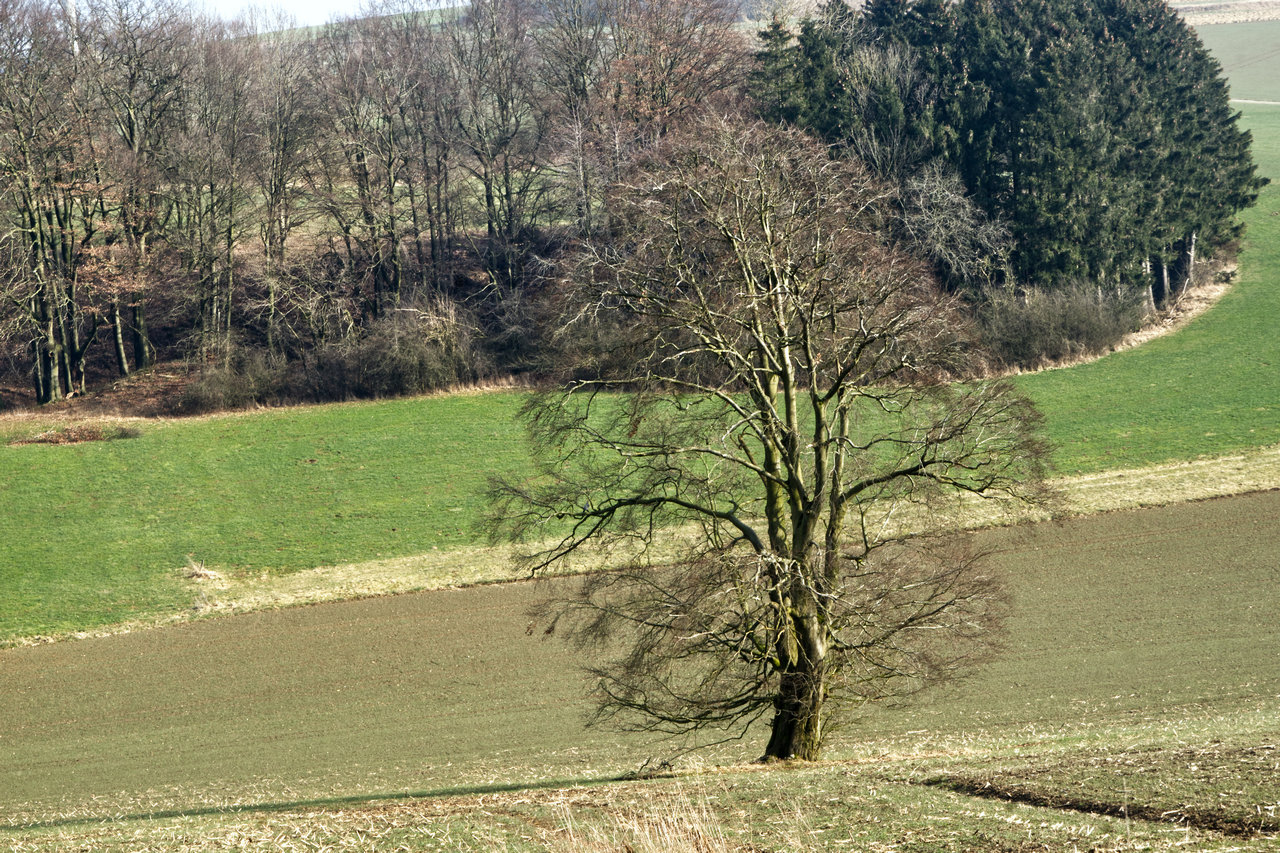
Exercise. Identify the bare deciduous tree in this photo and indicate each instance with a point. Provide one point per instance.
(286, 122)
(51, 197)
(574, 38)
(208, 182)
(501, 122)
(138, 57)
(667, 59)
(623, 73)
(770, 388)
(358, 181)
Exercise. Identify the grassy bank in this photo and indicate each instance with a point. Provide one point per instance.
(103, 532)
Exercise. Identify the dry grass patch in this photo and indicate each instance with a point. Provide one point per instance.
(229, 593)
(79, 432)
(803, 809)
(1174, 482)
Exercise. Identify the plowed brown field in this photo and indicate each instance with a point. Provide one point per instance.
(1150, 612)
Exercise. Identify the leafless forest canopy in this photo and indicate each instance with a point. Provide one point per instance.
(368, 207)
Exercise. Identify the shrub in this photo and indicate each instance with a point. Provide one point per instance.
(1034, 328)
(245, 377)
(410, 351)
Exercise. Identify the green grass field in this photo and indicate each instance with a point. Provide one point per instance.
(1211, 389)
(98, 532)
(1250, 57)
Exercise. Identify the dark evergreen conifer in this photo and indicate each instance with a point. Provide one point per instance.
(774, 82)
(1100, 131)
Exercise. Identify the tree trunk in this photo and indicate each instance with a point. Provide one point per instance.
(1151, 286)
(1189, 264)
(46, 372)
(117, 328)
(66, 372)
(273, 314)
(46, 349)
(72, 352)
(797, 716)
(1159, 283)
(141, 346)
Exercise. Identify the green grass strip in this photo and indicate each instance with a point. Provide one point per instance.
(95, 533)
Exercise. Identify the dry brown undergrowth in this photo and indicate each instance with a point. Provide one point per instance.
(1189, 305)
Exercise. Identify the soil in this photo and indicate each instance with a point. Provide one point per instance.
(149, 393)
(1229, 12)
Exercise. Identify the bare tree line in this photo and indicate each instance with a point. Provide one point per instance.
(175, 183)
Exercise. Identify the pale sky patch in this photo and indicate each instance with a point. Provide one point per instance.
(304, 13)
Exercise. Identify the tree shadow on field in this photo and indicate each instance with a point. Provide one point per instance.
(317, 803)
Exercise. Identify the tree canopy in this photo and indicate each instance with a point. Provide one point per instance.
(788, 398)
(1099, 131)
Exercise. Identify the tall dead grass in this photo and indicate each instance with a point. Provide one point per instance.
(681, 824)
